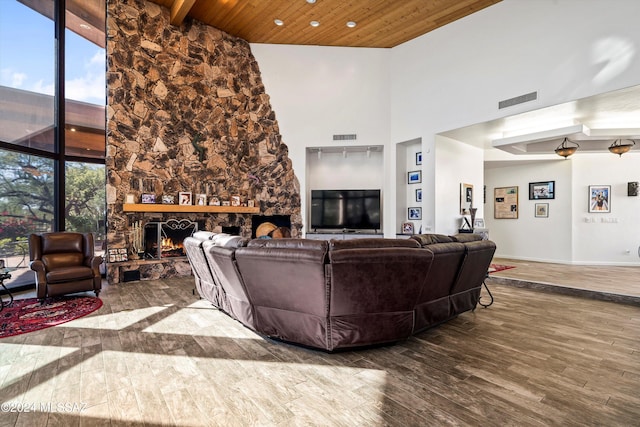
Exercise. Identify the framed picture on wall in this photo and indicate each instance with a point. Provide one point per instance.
(466, 198)
(418, 158)
(505, 202)
(414, 213)
(418, 194)
(542, 190)
(599, 198)
(414, 177)
(542, 210)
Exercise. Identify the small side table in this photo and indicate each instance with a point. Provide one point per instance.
(4, 276)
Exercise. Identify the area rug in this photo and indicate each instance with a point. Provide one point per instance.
(28, 315)
(494, 268)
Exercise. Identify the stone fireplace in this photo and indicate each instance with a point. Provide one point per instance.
(187, 112)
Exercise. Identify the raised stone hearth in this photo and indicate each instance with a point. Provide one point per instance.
(187, 112)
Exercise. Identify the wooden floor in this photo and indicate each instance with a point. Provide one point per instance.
(612, 283)
(156, 355)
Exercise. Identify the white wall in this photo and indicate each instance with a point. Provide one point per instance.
(451, 78)
(335, 172)
(570, 234)
(455, 76)
(456, 163)
(607, 237)
(530, 238)
(317, 92)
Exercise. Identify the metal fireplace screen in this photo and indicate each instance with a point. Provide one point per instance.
(165, 239)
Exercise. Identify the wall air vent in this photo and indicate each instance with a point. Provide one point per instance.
(346, 137)
(518, 100)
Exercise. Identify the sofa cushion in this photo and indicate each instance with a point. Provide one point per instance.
(230, 242)
(466, 237)
(203, 235)
(430, 239)
(371, 242)
(290, 243)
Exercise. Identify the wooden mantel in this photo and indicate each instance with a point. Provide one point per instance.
(157, 207)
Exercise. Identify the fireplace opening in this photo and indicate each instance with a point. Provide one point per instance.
(270, 226)
(166, 239)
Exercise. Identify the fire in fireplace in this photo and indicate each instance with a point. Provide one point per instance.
(165, 239)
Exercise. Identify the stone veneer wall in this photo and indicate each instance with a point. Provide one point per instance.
(173, 93)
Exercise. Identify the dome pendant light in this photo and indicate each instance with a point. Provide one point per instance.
(565, 151)
(619, 148)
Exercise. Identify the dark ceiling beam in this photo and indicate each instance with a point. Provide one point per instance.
(179, 10)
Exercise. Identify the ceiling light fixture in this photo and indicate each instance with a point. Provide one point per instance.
(314, 23)
(351, 24)
(344, 152)
(278, 22)
(319, 153)
(311, 1)
(368, 152)
(564, 150)
(619, 148)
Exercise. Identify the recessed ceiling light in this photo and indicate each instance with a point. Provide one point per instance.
(311, 1)
(278, 22)
(314, 23)
(85, 26)
(351, 24)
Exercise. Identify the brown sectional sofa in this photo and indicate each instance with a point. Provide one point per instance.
(340, 294)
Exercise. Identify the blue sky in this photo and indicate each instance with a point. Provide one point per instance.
(27, 56)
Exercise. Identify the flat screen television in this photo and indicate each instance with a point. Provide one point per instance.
(345, 209)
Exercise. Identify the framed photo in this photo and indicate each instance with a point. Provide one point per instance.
(407, 228)
(184, 198)
(414, 177)
(478, 223)
(418, 158)
(414, 213)
(632, 188)
(542, 210)
(599, 198)
(118, 255)
(466, 198)
(418, 194)
(201, 199)
(542, 190)
(148, 198)
(168, 199)
(505, 202)
(235, 200)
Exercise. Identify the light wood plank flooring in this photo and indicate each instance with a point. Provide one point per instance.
(156, 355)
(612, 283)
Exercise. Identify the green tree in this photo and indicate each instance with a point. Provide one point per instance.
(26, 195)
(85, 197)
(26, 189)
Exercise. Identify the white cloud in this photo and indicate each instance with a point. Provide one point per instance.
(88, 88)
(41, 87)
(11, 78)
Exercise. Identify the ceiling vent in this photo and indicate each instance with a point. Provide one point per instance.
(345, 137)
(518, 100)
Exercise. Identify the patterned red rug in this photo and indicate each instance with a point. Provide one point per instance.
(27, 315)
(494, 268)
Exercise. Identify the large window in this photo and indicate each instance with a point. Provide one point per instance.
(52, 123)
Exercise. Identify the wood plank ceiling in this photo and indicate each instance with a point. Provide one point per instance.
(379, 23)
